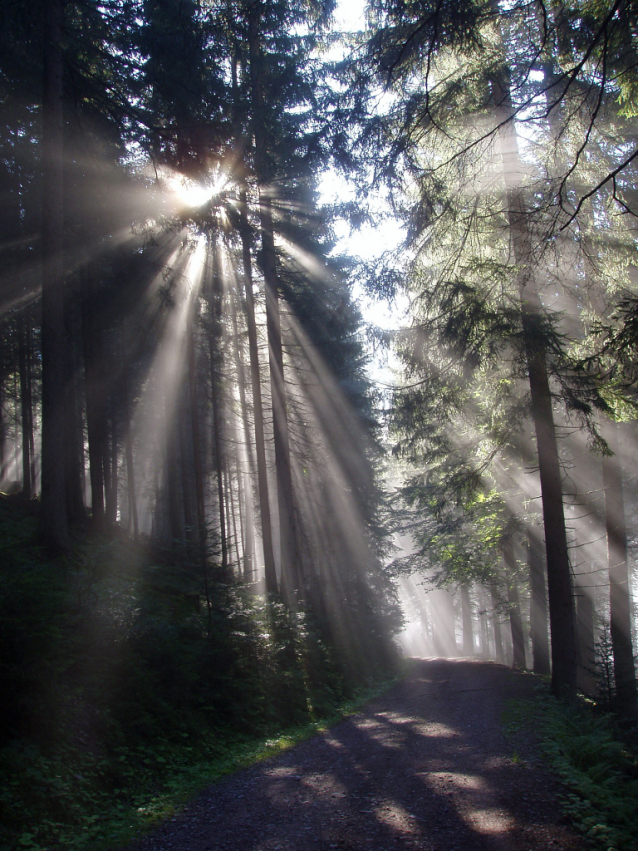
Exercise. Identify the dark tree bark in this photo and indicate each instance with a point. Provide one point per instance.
(198, 458)
(175, 514)
(110, 463)
(586, 651)
(128, 448)
(214, 340)
(95, 424)
(247, 545)
(559, 580)
(185, 450)
(3, 424)
(538, 602)
(466, 616)
(238, 512)
(74, 438)
(291, 573)
(485, 639)
(258, 411)
(30, 359)
(232, 512)
(496, 624)
(105, 460)
(619, 591)
(24, 342)
(516, 622)
(54, 517)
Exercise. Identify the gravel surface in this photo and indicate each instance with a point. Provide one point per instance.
(426, 766)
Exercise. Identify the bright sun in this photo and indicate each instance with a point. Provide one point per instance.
(192, 194)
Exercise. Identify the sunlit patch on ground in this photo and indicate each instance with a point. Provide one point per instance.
(488, 821)
(283, 771)
(395, 816)
(332, 741)
(434, 729)
(449, 780)
(325, 786)
(472, 799)
(386, 736)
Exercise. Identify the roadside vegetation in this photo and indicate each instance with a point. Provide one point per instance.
(128, 693)
(596, 759)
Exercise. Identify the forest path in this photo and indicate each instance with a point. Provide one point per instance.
(426, 766)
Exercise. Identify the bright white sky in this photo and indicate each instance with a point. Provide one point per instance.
(350, 15)
(371, 240)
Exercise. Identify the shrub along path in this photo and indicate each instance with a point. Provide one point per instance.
(427, 766)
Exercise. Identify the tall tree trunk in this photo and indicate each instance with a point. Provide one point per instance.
(291, 573)
(54, 518)
(94, 400)
(232, 510)
(586, 639)
(130, 483)
(291, 583)
(238, 511)
(198, 468)
(466, 617)
(258, 411)
(190, 506)
(25, 404)
(128, 447)
(249, 534)
(30, 358)
(619, 591)
(538, 602)
(16, 423)
(247, 548)
(3, 425)
(111, 506)
(175, 514)
(73, 435)
(559, 581)
(485, 639)
(496, 624)
(214, 343)
(105, 460)
(516, 622)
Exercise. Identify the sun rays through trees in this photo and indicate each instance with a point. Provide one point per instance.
(235, 522)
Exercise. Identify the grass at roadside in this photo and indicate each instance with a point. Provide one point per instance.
(154, 782)
(598, 770)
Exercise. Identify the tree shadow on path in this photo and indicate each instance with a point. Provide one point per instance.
(424, 767)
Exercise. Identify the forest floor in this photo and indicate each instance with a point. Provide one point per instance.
(426, 766)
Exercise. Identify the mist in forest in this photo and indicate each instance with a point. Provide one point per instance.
(318, 346)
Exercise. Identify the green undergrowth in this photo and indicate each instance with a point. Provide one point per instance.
(597, 765)
(130, 680)
(69, 800)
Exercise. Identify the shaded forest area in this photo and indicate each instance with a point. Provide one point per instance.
(215, 524)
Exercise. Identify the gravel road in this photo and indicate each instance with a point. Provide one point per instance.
(426, 766)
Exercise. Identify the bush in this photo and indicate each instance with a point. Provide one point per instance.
(599, 771)
(126, 670)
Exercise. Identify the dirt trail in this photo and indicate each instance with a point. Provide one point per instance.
(424, 767)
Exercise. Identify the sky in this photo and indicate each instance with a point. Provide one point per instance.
(369, 241)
